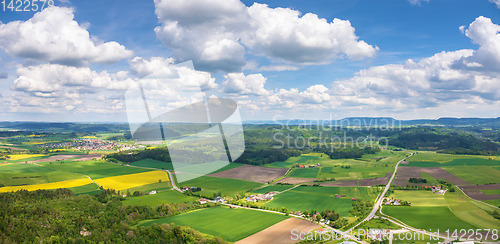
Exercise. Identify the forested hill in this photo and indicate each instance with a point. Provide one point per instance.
(382, 121)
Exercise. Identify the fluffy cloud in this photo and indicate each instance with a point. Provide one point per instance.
(54, 36)
(497, 2)
(164, 67)
(204, 31)
(281, 33)
(54, 79)
(248, 85)
(214, 34)
(464, 75)
(417, 2)
(486, 34)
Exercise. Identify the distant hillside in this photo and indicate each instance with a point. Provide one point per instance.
(383, 121)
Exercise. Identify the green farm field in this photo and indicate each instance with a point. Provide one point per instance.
(304, 198)
(491, 192)
(159, 199)
(151, 163)
(432, 159)
(29, 174)
(158, 186)
(278, 188)
(90, 189)
(228, 187)
(230, 224)
(428, 218)
(471, 211)
(477, 174)
(96, 169)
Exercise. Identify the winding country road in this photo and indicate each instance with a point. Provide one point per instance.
(378, 203)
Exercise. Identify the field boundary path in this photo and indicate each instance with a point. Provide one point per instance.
(378, 203)
(458, 187)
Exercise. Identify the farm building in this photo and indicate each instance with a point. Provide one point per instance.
(203, 201)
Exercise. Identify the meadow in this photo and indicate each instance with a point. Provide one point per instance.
(304, 198)
(169, 196)
(477, 174)
(428, 218)
(96, 169)
(453, 207)
(228, 187)
(30, 174)
(471, 211)
(278, 188)
(151, 163)
(230, 224)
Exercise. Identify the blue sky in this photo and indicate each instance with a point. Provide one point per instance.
(404, 59)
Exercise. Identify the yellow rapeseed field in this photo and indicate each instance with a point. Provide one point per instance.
(38, 142)
(23, 156)
(53, 185)
(122, 182)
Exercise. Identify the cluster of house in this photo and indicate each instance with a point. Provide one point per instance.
(309, 166)
(192, 188)
(436, 189)
(261, 197)
(216, 199)
(338, 196)
(394, 202)
(91, 144)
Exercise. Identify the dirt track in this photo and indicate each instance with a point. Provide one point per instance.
(281, 233)
(252, 173)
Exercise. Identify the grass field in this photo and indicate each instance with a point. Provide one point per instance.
(53, 185)
(96, 169)
(30, 174)
(85, 189)
(354, 173)
(122, 182)
(304, 173)
(159, 199)
(228, 187)
(151, 163)
(227, 167)
(270, 188)
(230, 224)
(428, 218)
(157, 186)
(491, 192)
(465, 209)
(420, 198)
(477, 174)
(304, 198)
(432, 159)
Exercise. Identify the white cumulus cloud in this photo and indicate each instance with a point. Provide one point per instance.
(54, 36)
(217, 35)
(248, 85)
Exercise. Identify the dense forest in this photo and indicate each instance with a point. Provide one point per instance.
(61, 217)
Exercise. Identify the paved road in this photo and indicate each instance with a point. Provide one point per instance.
(378, 203)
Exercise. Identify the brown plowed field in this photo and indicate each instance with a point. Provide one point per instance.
(252, 173)
(281, 233)
(478, 195)
(405, 173)
(482, 187)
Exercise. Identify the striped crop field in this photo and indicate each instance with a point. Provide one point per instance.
(47, 186)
